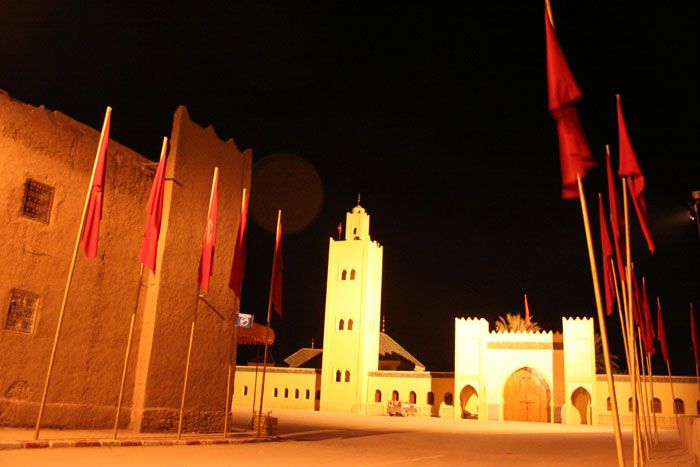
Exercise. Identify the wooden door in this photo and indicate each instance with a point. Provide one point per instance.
(526, 397)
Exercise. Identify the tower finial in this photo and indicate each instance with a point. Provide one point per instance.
(312, 342)
(358, 199)
(384, 324)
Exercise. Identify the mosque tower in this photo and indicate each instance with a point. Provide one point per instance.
(352, 318)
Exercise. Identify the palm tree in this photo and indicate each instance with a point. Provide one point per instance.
(515, 323)
(600, 359)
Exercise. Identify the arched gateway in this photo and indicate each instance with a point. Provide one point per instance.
(526, 397)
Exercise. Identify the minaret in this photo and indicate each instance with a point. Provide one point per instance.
(352, 317)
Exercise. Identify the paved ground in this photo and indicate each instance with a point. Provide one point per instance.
(315, 438)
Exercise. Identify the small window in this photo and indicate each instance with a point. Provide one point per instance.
(337, 376)
(448, 398)
(275, 393)
(607, 405)
(286, 393)
(341, 325)
(38, 199)
(245, 390)
(394, 395)
(430, 399)
(377, 396)
(352, 275)
(296, 394)
(629, 404)
(656, 408)
(318, 395)
(308, 394)
(344, 275)
(349, 325)
(347, 376)
(21, 313)
(412, 397)
(678, 406)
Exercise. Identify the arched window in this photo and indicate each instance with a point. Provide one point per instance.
(296, 394)
(448, 398)
(337, 376)
(343, 275)
(341, 325)
(430, 399)
(656, 407)
(412, 397)
(607, 404)
(275, 392)
(349, 325)
(678, 406)
(286, 393)
(377, 396)
(352, 274)
(308, 393)
(347, 376)
(245, 390)
(394, 395)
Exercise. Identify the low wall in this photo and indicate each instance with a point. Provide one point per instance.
(690, 434)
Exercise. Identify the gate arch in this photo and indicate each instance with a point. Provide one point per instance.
(526, 396)
(469, 402)
(581, 401)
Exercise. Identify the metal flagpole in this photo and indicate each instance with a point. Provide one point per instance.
(187, 366)
(673, 395)
(267, 331)
(643, 394)
(601, 324)
(71, 268)
(653, 407)
(126, 354)
(255, 382)
(234, 340)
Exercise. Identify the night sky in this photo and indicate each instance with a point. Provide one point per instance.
(436, 116)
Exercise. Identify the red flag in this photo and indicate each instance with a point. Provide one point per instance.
(527, 312)
(608, 281)
(637, 300)
(239, 255)
(694, 336)
(661, 332)
(563, 91)
(93, 214)
(616, 218)
(206, 261)
(154, 209)
(276, 286)
(629, 167)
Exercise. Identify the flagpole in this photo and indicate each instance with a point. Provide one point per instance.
(601, 324)
(267, 331)
(126, 353)
(653, 410)
(71, 268)
(187, 366)
(630, 324)
(621, 303)
(255, 382)
(673, 396)
(234, 340)
(644, 397)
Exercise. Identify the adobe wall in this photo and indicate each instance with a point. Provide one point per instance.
(300, 384)
(171, 297)
(55, 150)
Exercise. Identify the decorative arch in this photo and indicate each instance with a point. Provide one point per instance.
(350, 325)
(526, 396)
(394, 395)
(344, 275)
(469, 402)
(377, 396)
(581, 401)
(412, 397)
(678, 406)
(352, 274)
(347, 376)
(341, 324)
(337, 376)
(656, 405)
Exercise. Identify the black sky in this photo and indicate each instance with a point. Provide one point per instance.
(437, 116)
